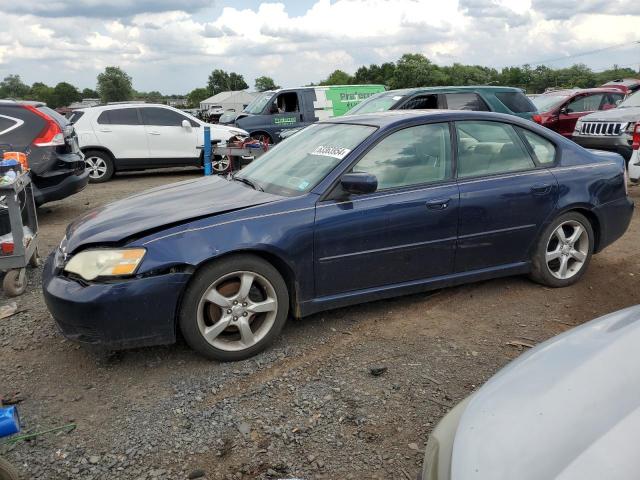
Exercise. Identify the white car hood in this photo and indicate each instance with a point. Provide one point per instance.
(224, 132)
(569, 409)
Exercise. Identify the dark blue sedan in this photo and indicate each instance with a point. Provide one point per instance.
(346, 211)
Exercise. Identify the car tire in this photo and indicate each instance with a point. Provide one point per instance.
(234, 308)
(221, 164)
(100, 166)
(8, 471)
(563, 251)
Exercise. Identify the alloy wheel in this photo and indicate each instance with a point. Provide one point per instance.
(567, 249)
(97, 167)
(237, 311)
(220, 164)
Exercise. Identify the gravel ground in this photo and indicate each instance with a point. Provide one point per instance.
(308, 407)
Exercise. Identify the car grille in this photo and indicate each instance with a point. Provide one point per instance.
(602, 128)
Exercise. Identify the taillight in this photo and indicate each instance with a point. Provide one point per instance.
(636, 137)
(537, 118)
(51, 135)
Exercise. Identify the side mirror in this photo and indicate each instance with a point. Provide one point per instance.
(359, 183)
(186, 124)
(564, 111)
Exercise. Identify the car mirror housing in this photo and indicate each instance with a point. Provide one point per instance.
(359, 183)
(186, 124)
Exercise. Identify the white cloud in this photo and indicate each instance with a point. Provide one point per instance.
(174, 50)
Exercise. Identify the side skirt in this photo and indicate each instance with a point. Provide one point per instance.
(389, 291)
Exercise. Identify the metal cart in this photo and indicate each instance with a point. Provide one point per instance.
(16, 199)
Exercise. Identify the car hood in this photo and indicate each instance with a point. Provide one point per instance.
(160, 208)
(569, 409)
(628, 114)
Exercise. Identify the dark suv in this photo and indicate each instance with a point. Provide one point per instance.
(479, 98)
(57, 165)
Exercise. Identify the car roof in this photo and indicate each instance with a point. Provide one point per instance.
(112, 106)
(469, 88)
(575, 91)
(22, 102)
(398, 117)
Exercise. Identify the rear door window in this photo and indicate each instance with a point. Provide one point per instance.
(428, 102)
(465, 101)
(121, 116)
(516, 102)
(487, 148)
(163, 117)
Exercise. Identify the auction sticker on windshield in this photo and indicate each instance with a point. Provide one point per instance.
(327, 151)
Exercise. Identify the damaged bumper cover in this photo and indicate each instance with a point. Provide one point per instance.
(121, 314)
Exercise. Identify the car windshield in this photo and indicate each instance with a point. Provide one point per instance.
(298, 164)
(258, 103)
(545, 103)
(377, 103)
(632, 101)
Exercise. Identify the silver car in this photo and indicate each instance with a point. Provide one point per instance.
(569, 409)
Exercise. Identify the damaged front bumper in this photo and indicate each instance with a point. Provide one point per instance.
(115, 315)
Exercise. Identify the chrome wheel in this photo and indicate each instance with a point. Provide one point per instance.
(97, 167)
(237, 311)
(567, 249)
(220, 164)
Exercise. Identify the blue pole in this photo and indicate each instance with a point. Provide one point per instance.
(207, 151)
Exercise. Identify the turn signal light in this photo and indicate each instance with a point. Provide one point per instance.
(636, 137)
(537, 118)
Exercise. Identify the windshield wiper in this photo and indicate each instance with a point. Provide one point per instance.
(246, 181)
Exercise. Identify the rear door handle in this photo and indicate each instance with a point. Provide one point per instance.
(541, 189)
(105, 130)
(438, 204)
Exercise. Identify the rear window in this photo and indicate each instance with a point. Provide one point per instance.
(122, 116)
(75, 116)
(466, 101)
(516, 102)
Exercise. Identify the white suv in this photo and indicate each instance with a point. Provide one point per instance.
(138, 136)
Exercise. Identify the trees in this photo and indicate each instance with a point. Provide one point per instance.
(196, 96)
(13, 87)
(338, 77)
(114, 85)
(41, 92)
(221, 81)
(265, 83)
(64, 94)
(88, 93)
(416, 70)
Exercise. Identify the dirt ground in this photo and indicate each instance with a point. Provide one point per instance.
(306, 408)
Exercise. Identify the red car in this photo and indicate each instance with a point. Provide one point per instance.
(559, 110)
(625, 85)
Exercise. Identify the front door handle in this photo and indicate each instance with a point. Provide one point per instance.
(541, 189)
(152, 132)
(438, 204)
(105, 130)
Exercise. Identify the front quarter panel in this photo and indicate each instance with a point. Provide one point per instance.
(283, 230)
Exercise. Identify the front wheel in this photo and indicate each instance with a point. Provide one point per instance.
(8, 471)
(563, 251)
(234, 308)
(221, 164)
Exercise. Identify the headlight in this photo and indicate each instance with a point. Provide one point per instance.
(91, 264)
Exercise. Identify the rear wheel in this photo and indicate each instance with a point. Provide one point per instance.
(221, 164)
(234, 308)
(564, 251)
(100, 166)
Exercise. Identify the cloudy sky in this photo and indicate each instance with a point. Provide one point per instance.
(171, 46)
